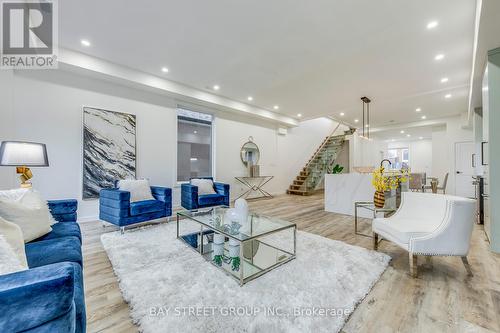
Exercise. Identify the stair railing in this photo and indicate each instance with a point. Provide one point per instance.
(322, 145)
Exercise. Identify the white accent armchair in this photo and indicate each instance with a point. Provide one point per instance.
(430, 225)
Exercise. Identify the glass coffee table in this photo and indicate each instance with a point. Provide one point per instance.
(243, 252)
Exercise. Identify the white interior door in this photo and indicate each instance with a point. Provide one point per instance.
(464, 169)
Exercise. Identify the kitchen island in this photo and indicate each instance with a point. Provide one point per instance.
(344, 189)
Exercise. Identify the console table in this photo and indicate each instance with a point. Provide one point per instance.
(255, 184)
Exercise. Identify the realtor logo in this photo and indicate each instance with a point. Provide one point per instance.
(29, 35)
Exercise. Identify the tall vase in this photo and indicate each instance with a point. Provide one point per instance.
(379, 199)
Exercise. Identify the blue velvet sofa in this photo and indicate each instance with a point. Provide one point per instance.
(191, 200)
(49, 296)
(115, 206)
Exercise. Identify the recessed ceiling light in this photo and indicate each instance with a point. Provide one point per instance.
(216, 87)
(393, 140)
(424, 117)
(444, 80)
(432, 24)
(420, 137)
(402, 132)
(250, 98)
(342, 114)
(418, 109)
(85, 42)
(356, 120)
(367, 125)
(164, 69)
(276, 107)
(439, 57)
(408, 135)
(195, 132)
(447, 96)
(299, 115)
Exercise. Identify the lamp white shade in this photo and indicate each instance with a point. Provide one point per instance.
(17, 153)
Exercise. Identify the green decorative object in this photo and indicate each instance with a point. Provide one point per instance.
(218, 260)
(337, 169)
(334, 169)
(235, 263)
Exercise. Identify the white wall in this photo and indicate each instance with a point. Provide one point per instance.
(281, 156)
(443, 149)
(420, 153)
(6, 77)
(436, 156)
(365, 153)
(46, 106)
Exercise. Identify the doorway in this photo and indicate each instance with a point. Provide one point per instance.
(464, 169)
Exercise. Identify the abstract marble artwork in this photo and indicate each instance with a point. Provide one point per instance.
(109, 149)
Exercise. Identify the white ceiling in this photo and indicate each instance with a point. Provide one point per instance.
(316, 58)
(416, 132)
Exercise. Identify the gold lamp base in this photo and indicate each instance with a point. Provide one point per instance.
(25, 176)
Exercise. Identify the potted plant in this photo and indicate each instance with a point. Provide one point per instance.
(383, 181)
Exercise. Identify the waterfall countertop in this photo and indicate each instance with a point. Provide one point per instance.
(342, 190)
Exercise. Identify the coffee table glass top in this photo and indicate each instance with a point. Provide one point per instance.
(215, 218)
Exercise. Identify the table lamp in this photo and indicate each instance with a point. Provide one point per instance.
(23, 155)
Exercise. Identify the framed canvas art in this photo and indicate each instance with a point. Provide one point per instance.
(109, 149)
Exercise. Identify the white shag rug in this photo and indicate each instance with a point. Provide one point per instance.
(170, 288)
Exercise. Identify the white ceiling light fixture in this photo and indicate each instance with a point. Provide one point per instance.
(439, 57)
(85, 42)
(432, 24)
(195, 132)
(418, 109)
(276, 107)
(402, 132)
(250, 98)
(342, 114)
(424, 117)
(447, 96)
(421, 138)
(444, 80)
(216, 87)
(408, 135)
(356, 120)
(164, 69)
(193, 159)
(299, 115)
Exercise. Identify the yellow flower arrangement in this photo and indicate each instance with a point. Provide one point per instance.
(383, 181)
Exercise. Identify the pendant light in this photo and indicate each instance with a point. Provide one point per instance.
(366, 119)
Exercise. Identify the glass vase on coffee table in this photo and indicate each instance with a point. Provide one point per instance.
(246, 254)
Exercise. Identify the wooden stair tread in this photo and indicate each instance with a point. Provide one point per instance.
(329, 146)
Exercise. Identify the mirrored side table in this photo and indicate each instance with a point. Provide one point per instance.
(377, 212)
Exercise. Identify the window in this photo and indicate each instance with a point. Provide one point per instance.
(399, 157)
(194, 145)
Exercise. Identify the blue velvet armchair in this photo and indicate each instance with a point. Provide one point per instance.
(49, 296)
(191, 200)
(115, 206)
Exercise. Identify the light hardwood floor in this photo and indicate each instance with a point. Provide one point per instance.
(442, 299)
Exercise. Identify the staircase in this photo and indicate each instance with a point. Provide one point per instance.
(313, 173)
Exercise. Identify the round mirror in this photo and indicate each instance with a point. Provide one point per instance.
(250, 153)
